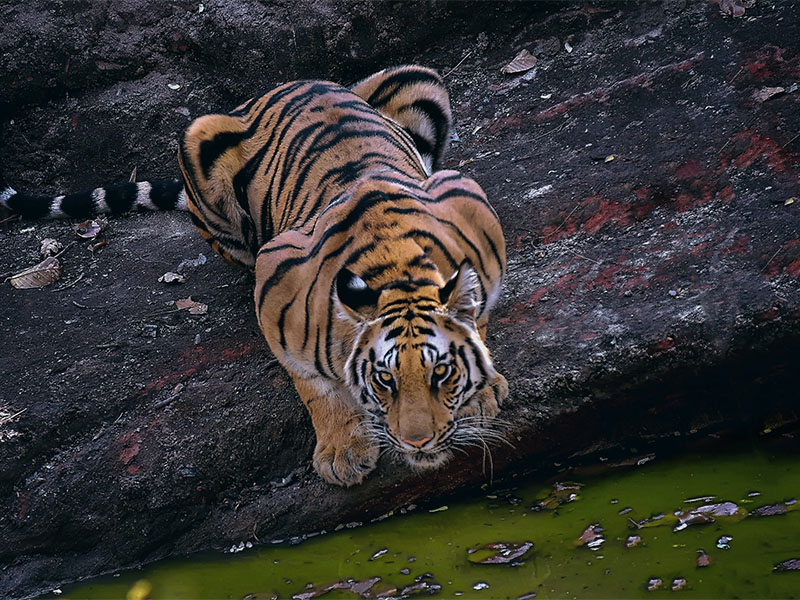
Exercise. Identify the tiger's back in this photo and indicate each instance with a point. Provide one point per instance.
(276, 161)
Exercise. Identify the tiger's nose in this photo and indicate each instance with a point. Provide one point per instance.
(418, 443)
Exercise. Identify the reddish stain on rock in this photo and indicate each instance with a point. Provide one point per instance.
(740, 246)
(760, 146)
(768, 315)
(726, 193)
(662, 346)
(131, 444)
(689, 170)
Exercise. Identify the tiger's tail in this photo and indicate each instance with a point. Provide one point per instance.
(167, 194)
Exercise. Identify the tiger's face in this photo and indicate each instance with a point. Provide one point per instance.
(421, 371)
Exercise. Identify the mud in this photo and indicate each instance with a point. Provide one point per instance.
(643, 182)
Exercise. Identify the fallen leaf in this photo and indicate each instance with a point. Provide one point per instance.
(90, 229)
(100, 243)
(703, 560)
(50, 247)
(632, 541)
(195, 308)
(499, 553)
(440, 509)
(766, 93)
(790, 201)
(170, 277)
(592, 537)
(132, 178)
(524, 61)
(46, 272)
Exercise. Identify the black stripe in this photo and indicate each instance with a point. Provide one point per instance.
(398, 81)
(122, 197)
(79, 205)
(164, 194)
(30, 207)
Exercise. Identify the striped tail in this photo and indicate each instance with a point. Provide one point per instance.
(114, 199)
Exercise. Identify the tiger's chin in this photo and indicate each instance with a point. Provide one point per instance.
(424, 461)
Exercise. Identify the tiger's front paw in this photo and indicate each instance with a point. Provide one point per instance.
(343, 458)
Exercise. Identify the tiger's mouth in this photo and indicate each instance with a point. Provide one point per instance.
(422, 460)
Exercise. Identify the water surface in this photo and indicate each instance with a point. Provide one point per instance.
(429, 550)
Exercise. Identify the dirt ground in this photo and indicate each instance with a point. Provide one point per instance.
(645, 171)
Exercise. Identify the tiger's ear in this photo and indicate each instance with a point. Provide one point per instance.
(355, 297)
(461, 294)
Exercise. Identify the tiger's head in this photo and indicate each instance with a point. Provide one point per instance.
(419, 367)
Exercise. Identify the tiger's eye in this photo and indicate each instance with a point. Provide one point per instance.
(385, 377)
(440, 370)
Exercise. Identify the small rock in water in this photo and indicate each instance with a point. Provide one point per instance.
(480, 585)
(724, 542)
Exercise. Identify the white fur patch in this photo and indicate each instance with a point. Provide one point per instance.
(143, 196)
(55, 208)
(6, 194)
(182, 203)
(99, 199)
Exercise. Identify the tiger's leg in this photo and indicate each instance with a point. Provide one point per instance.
(416, 98)
(344, 454)
(210, 157)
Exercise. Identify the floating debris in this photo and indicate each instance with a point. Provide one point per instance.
(766, 93)
(480, 585)
(654, 583)
(379, 553)
(793, 564)
(678, 584)
(633, 541)
(499, 553)
(440, 509)
(781, 508)
(703, 559)
(592, 537)
(562, 493)
(724, 542)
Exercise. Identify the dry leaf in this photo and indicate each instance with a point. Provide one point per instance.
(45, 273)
(524, 61)
(195, 308)
(90, 229)
(132, 178)
(170, 277)
(50, 247)
(766, 93)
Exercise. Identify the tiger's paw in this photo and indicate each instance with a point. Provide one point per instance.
(344, 458)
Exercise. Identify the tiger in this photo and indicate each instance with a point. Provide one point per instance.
(375, 270)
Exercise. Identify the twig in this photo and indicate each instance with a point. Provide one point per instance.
(109, 345)
(597, 262)
(790, 141)
(9, 418)
(564, 222)
(735, 76)
(79, 305)
(11, 218)
(771, 259)
(163, 312)
(466, 56)
(168, 399)
(69, 285)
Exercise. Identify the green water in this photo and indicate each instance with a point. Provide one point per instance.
(558, 567)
